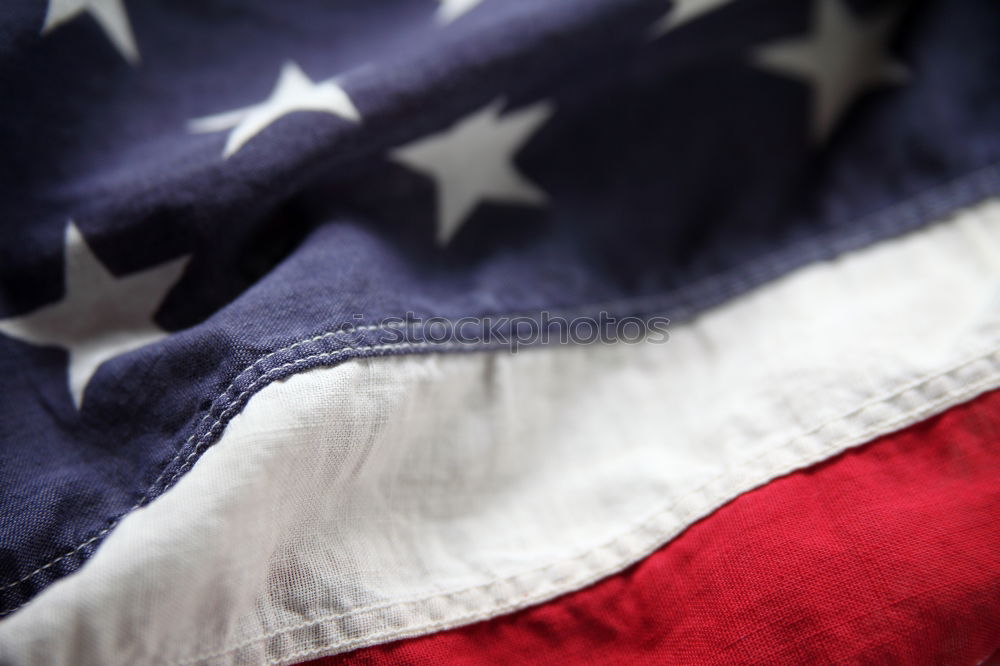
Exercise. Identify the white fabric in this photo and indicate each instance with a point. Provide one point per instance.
(390, 497)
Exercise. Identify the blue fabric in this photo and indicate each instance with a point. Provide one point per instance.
(678, 175)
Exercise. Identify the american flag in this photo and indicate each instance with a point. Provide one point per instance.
(499, 332)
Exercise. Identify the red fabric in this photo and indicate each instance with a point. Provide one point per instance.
(887, 554)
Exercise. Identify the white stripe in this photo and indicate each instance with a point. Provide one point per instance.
(390, 497)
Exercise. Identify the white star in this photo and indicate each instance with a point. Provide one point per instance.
(449, 10)
(109, 14)
(844, 57)
(682, 11)
(100, 316)
(294, 92)
(473, 160)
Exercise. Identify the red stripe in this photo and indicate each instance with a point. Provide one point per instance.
(889, 553)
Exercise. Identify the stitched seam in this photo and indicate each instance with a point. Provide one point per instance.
(776, 263)
(864, 435)
(235, 402)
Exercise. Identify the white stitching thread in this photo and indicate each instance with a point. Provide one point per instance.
(879, 428)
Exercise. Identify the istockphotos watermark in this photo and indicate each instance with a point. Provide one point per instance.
(519, 331)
